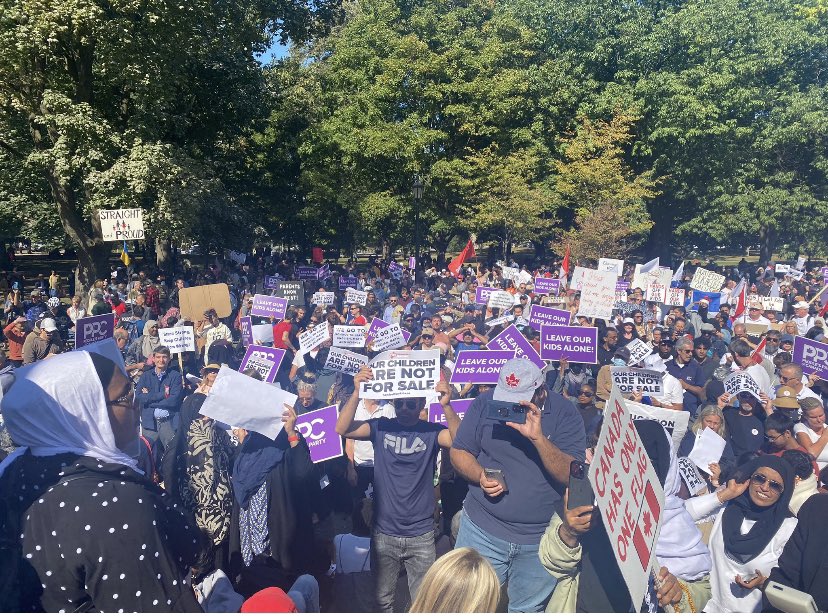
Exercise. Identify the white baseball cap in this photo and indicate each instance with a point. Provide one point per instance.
(49, 325)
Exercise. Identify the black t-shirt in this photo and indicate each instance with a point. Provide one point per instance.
(745, 432)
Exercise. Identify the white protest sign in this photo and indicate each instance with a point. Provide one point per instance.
(402, 374)
(597, 294)
(628, 380)
(510, 273)
(577, 277)
(312, 338)
(506, 318)
(675, 297)
(692, 478)
(660, 275)
(777, 304)
(121, 225)
(178, 339)
(352, 336)
(795, 274)
(323, 298)
(675, 422)
(707, 449)
(629, 496)
(742, 381)
(239, 400)
(352, 296)
(501, 299)
(707, 281)
(390, 337)
(343, 360)
(638, 351)
(263, 332)
(782, 268)
(656, 292)
(616, 266)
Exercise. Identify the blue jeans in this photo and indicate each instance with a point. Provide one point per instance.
(305, 594)
(389, 553)
(530, 585)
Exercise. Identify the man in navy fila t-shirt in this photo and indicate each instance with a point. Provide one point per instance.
(405, 454)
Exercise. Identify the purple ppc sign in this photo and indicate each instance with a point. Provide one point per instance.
(575, 344)
(94, 329)
(622, 285)
(266, 306)
(436, 414)
(547, 286)
(811, 355)
(376, 325)
(264, 359)
(482, 294)
(510, 339)
(541, 315)
(479, 367)
(319, 429)
(246, 324)
(306, 272)
(270, 282)
(347, 281)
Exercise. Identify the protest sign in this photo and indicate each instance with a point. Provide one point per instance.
(675, 422)
(616, 266)
(622, 285)
(638, 351)
(193, 301)
(509, 273)
(501, 299)
(795, 274)
(395, 269)
(692, 478)
(343, 360)
(705, 280)
(352, 336)
(264, 359)
(714, 299)
(597, 294)
(293, 291)
(742, 381)
(541, 315)
(811, 355)
(239, 400)
(93, 329)
(510, 339)
(266, 306)
(675, 297)
(390, 337)
(352, 296)
(656, 292)
(777, 304)
(178, 339)
(436, 414)
(629, 496)
(578, 274)
(270, 282)
(312, 338)
(481, 295)
(323, 298)
(755, 330)
(479, 366)
(238, 257)
(306, 272)
(506, 318)
(402, 374)
(642, 280)
(262, 333)
(628, 380)
(575, 344)
(246, 325)
(782, 268)
(707, 449)
(319, 429)
(377, 324)
(347, 281)
(547, 286)
(122, 225)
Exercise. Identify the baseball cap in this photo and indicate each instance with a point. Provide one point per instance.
(49, 325)
(755, 306)
(471, 308)
(368, 288)
(622, 353)
(35, 292)
(211, 368)
(518, 380)
(798, 305)
(786, 338)
(269, 600)
(785, 398)
(53, 302)
(427, 331)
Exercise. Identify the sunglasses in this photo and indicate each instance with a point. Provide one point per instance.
(585, 393)
(406, 404)
(760, 480)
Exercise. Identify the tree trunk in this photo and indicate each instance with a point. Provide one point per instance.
(767, 242)
(540, 250)
(660, 241)
(163, 254)
(386, 249)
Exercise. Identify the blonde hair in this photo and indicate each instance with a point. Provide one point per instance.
(461, 581)
(707, 411)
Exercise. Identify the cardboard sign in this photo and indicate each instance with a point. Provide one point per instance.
(656, 293)
(122, 225)
(293, 291)
(575, 344)
(178, 339)
(352, 296)
(755, 330)
(616, 266)
(675, 297)
(402, 374)
(479, 366)
(638, 351)
(692, 478)
(811, 355)
(323, 298)
(352, 336)
(628, 380)
(597, 294)
(742, 381)
(94, 329)
(481, 295)
(319, 429)
(675, 422)
(271, 282)
(266, 306)
(195, 300)
(246, 324)
(390, 337)
(707, 281)
(436, 414)
(343, 360)
(547, 286)
(510, 339)
(782, 268)
(541, 315)
(306, 272)
(795, 274)
(312, 338)
(629, 496)
(265, 360)
(347, 281)
(777, 304)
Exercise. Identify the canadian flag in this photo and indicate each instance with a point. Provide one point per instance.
(757, 354)
(645, 530)
(564, 271)
(740, 295)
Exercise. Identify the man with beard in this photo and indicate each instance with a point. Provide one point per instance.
(606, 349)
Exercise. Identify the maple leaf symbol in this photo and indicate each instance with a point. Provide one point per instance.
(648, 524)
(512, 380)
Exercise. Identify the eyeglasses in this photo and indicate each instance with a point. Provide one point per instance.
(760, 480)
(127, 399)
(784, 378)
(772, 439)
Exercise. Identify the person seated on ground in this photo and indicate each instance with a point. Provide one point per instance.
(303, 597)
(459, 582)
(354, 582)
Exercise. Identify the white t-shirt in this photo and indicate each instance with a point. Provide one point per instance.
(822, 458)
(364, 450)
(673, 391)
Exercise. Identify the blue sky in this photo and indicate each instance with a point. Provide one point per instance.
(276, 51)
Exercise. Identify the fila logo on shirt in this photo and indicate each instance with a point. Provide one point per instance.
(400, 444)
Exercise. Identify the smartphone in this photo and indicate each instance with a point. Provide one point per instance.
(497, 475)
(749, 577)
(787, 599)
(580, 490)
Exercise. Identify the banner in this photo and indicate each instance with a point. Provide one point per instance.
(707, 281)
(597, 294)
(628, 380)
(547, 286)
(323, 298)
(122, 225)
(270, 282)
(541, 315)
(293, 291)
(347, 281)
(742, 381)
(402, 374)
(264, 359)
(94, 329)
(352, 296)
(638, 351)
(436, 414)
(312, 338)
(178, 339)
(629, 496)
(811, 355)
(387, 338)
(616, 266)
(319, 429)
(343, 360)
(675, 422)
(479, 366)
(510, 339)
(481, 295)
(266, 306)
(501, 299)
(675, 297)
(246, 324)
(656, 292)
(574, 344)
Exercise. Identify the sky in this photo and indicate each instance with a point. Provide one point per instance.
(276, 51)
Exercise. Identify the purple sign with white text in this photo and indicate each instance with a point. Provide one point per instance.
(266, 306)
(510, 339)
(376, 325)
(547, 286)
(541, 315)
(94, 329)
(306, 272)
(319, 429)
(347, 281)
(254, 353)
(574, 344)
(622, 285)
(482, 294)
(270, 282)
(811, 355)
(246, 324)
(479, 366)
(436, 414)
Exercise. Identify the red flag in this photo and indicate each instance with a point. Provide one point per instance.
(317, 256)
(565, 264)
(644, 536)
(457, 261)
(741, 300)
(756, 356)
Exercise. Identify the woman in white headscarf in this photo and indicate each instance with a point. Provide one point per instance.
(92, 531)
(144, 346)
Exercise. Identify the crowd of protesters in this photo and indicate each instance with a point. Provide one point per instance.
(119, 495)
